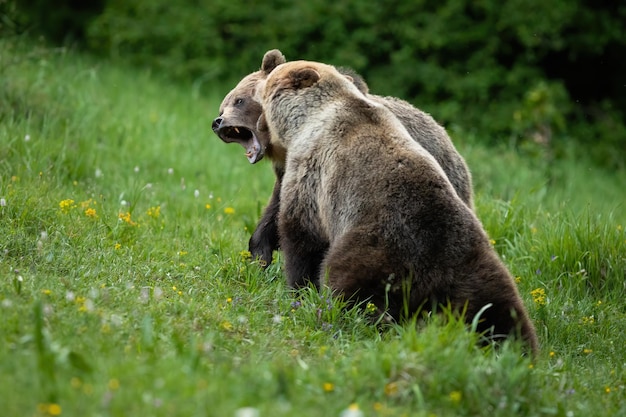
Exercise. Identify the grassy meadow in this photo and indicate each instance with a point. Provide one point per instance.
(126, 288)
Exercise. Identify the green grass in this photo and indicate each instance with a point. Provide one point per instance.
(160, 313)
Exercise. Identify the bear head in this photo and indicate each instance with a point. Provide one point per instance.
(239, 112)
(239, 115)
(298, 92)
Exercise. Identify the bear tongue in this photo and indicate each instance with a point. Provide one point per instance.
(254, 153)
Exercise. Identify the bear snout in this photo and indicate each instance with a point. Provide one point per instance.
(217, 123)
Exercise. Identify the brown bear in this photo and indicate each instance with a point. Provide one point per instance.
(237, 122)
(367, 211)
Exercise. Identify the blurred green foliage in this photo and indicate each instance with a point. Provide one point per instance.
(544, 73)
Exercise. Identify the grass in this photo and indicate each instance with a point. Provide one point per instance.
(126, 288)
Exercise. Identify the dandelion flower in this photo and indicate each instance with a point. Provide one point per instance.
(229, 210)
(207, 206)
(328, 387)
(196, 193)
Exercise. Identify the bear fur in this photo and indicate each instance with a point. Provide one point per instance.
(367, 211)
(237, 122)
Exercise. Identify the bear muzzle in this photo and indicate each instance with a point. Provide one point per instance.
(241, 135)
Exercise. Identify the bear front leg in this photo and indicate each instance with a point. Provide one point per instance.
(303, 249)
(303, 259)
(264, 241)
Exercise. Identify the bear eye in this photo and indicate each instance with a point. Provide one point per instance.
(239, 102)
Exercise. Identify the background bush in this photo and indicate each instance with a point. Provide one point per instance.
(542, 74)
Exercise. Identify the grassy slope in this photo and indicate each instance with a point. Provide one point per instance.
(159, 313)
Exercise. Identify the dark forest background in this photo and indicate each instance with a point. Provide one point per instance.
(544, 75)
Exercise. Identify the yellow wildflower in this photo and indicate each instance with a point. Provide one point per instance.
(207, 206)
(51, 409)
(328, 387)
(229, 210)
(456, 396)
(67, 205)
(125, 217)
(391, 389)
(587, 351)
(91, 212)
(87, 203)
(539, 296)
(114, 384)
(118, 246)
(154, 212)
(76, 383)
(370, 308)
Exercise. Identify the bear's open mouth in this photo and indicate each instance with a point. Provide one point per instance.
(236, 134)
(246, 138)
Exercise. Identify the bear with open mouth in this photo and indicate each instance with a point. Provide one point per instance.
(237, 123)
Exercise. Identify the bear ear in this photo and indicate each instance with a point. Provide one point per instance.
(271, 60)
(303, 77)
(354, 78)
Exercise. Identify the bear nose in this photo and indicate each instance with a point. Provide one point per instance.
(217, 123)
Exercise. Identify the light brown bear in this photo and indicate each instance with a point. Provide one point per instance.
(369, 212)
(237, 122)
